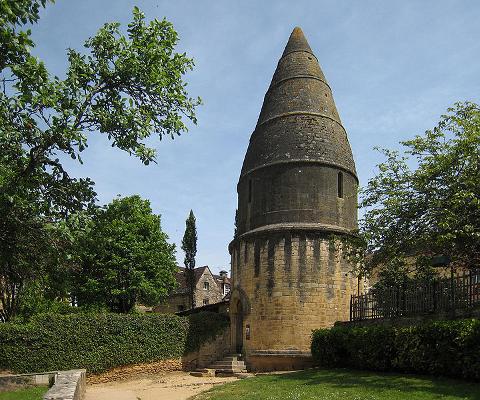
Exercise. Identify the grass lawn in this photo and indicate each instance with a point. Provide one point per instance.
(32, 393)
(343, 384)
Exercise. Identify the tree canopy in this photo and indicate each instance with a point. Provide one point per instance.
(124, 257)
(126, 86)
(425, 200)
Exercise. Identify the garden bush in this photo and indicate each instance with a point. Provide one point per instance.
(449, 348)
(98, 342)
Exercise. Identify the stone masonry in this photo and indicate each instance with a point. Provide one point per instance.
(209, 289)
(298, 186)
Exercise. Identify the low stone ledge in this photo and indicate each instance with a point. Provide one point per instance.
(135, 370)
(69, 385)
(35, 379)
(278, 360)
(280, 353)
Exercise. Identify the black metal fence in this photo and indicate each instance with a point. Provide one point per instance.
(416, 298)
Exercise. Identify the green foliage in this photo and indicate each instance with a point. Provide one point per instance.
(31, 393)
(35, 301)
(448, 348)
(189, 246)
(128, 87)
(98, 342)
(124, 257)
(424, 201)
(203, 327)
(353, 347)
(15, 43)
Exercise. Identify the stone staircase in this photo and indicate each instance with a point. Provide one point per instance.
(230, 365)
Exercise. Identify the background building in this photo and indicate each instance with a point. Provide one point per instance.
(209, 289)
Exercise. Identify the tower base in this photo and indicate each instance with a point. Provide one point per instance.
(278, 360)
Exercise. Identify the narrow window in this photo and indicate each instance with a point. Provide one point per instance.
(206, 285)
(340, 185)
(256, 257)
(205, 302)
(249, 190)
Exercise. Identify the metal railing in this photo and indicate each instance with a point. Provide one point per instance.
(416, 298)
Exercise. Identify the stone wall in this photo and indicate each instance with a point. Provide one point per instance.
(69, 385)
(65, 385)
(209, 352)
(287, 285)
(176, 300)
(19, 380)
(212, 294)
(173, 304)
(297, 193)
(129, 371)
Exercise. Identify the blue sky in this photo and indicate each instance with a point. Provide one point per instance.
(394, 67)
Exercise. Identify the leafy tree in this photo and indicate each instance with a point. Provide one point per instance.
(128, 87)
(189, 246)
(14, 43)
(425, 201)
(124, 257)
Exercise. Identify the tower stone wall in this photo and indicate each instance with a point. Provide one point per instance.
(297, 189)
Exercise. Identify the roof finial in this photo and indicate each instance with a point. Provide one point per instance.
(297, 42)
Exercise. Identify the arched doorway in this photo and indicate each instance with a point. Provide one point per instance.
(239, 311)
(239, 328)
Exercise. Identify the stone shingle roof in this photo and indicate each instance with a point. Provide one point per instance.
(181, 280)
(299, 121)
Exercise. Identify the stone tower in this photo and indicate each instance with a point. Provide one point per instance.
(298, 186)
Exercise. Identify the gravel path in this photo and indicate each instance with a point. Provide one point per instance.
(167, 386)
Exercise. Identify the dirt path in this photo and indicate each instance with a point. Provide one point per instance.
(167, 386)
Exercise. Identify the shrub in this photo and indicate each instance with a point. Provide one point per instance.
(449, 348)
(203, 327)
(329, 346)
(354, 347)
(98, 342)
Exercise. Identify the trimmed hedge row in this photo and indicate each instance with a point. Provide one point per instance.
(99, 342)
(448, 348)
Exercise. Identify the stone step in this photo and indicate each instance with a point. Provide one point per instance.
(203, 372)
(219, 365)
(233, 357)
(229, 362)
(229, 372)
(228, 366)
(230, 359)
(209, 372)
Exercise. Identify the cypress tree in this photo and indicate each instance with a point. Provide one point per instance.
(189, 246)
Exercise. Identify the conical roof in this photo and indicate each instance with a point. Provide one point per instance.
(298, 121)
(297, 42)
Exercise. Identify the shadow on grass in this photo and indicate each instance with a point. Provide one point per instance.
(405, 383)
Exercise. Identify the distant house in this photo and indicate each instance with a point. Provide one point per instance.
(209, 289)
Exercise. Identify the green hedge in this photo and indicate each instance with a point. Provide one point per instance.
(448, 348)
(98, 342)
